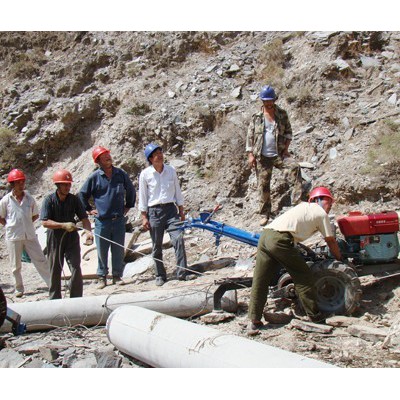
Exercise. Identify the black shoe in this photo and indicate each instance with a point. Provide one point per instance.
(255, 326)
(160, 281)
(316, 319)
(188, 277)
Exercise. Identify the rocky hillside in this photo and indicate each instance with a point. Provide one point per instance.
(62, 93)
(194, 92)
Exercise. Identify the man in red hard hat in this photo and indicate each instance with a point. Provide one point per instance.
(276, 248)
(267, 145)
(113, 194)
(58, 214)
(18, 211)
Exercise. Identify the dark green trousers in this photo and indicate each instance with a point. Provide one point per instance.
(276, 249)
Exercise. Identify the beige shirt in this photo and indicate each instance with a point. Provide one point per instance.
(18, 216)
(303, 221)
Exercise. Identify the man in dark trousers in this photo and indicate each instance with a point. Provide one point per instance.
(113, 194)
(276, 249)
(161, 205)
(58, 216)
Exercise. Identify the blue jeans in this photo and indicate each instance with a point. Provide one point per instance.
(112, 229)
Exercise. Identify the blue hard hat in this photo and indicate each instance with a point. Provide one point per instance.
(150, 149)
(267, 93)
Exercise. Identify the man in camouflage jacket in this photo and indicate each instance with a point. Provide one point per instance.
(268, 138)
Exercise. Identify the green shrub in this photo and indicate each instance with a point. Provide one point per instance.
(139, 109)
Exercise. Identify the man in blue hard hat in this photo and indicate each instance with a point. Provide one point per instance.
(267, 144)
(161, 205)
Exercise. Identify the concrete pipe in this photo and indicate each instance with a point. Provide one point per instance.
(163, 341)
(94, 310)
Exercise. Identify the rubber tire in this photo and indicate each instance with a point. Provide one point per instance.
(3, 307)
(338, 287)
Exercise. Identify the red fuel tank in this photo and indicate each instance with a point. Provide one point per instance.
(357, 223)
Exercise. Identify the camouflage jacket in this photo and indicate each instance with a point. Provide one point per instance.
(255, 132)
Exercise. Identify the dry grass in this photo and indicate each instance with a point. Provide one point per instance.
(272, 58)
(384, 157)
(9, 150)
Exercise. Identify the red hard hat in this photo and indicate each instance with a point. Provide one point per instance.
(15, 175)
(62, 176)
(320, 192)
(98, 151)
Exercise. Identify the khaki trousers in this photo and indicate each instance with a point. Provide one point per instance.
(292, 172)
(35, 253)
(276, 249)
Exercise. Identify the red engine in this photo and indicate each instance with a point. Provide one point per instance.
(357, 224)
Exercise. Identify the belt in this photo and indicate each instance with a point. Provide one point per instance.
(162, 205)
(114, 218)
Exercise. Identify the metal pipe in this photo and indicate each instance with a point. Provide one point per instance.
(163, 341)
(94, 310)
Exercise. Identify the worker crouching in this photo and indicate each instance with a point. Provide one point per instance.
(276, 248)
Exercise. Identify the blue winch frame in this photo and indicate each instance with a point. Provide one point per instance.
(220, 229)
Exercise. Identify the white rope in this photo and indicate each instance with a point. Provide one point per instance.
(138, 252)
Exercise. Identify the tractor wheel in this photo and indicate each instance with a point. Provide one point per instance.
(3, 307)
(338, 287)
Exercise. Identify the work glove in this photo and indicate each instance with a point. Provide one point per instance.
(89, 239)
(69, 226)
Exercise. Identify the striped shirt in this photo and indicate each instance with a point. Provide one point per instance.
(62, 211)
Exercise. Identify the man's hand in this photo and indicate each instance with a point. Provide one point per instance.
(93, 212)
(145, 223)
(252, 161)
(69, 226)
(89, 239)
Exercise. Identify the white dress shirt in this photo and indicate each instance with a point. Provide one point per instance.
(156, 188)
(18, 216)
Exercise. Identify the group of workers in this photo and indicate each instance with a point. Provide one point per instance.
(108, 194)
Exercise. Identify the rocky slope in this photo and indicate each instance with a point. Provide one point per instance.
(193, 93)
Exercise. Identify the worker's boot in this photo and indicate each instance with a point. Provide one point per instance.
(264, 220)
(102, 282)
(118, 281)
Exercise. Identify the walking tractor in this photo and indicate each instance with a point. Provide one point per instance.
(370, 246)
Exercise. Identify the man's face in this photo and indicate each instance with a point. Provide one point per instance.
(19, 185)
(326, 204)
(268, 104)
(105, 160)
(64, 188)
(157, 157)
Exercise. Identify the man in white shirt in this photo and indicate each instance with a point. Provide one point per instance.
(18, 211)
(161, 205)
(276, 249)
